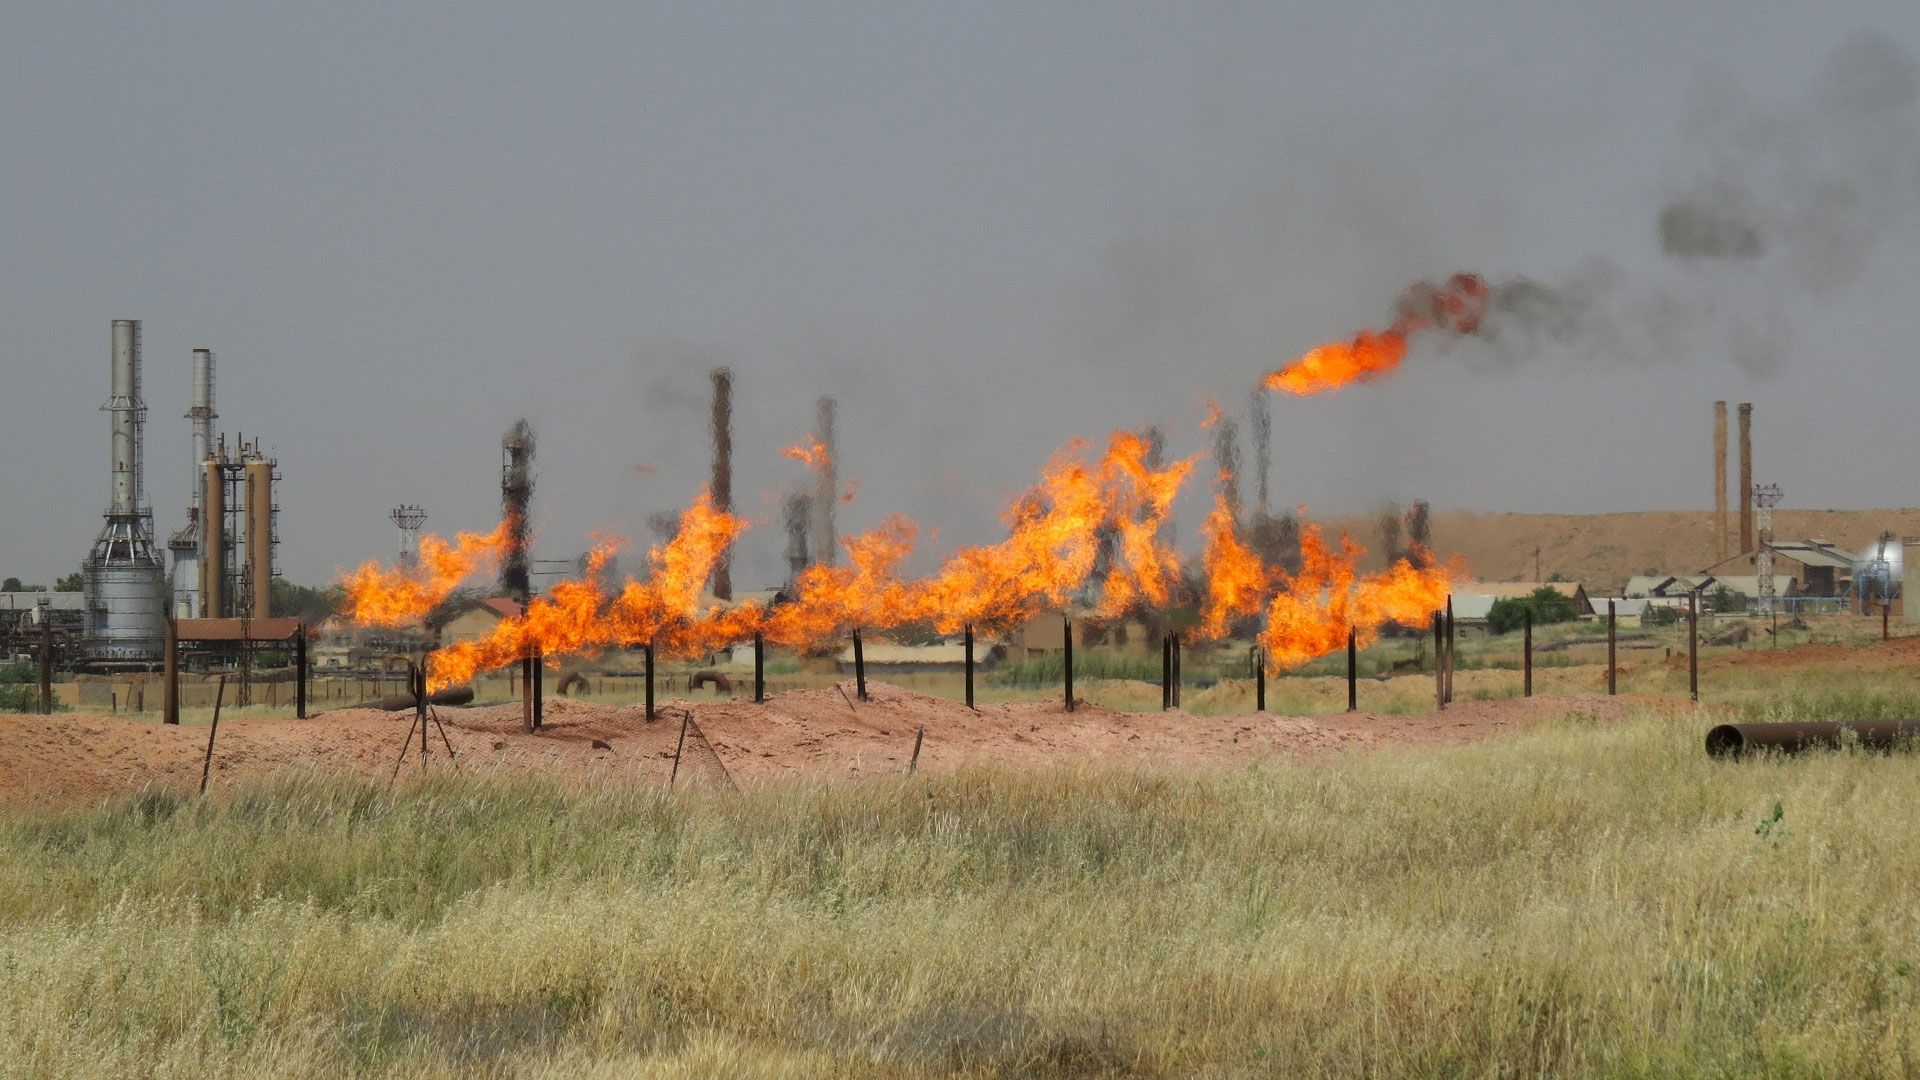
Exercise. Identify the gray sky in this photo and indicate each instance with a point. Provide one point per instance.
(986, 227)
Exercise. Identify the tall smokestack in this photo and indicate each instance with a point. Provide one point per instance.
(1260, 419)
(1720, 480)
(125, 578)
(1746, 477)
(189, 544)
(258, 475)
(826, 493)
(129, 416)
(723, 471)
(1226, 460)
(798, 519)
(213, 538)
(516, 503)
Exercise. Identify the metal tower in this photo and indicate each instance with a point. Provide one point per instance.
(409, 518)
(1765, 498)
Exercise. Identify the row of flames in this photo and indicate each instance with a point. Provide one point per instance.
(1056, 531)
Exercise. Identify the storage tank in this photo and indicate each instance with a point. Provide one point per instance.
(1879, 570)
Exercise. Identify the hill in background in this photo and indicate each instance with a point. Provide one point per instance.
(1603, 550)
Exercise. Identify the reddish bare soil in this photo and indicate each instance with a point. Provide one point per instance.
(803, 734)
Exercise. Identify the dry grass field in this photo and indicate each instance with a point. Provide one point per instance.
(1589, 896)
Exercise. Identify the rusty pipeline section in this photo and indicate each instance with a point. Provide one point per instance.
(1733, 740)
(451, 696)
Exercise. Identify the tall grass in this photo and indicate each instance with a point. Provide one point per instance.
(1583, 899)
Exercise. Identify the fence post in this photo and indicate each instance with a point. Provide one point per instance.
(649, 681)
(859, 667)
(969, 647)
(1066, 624)
(1613, 669)
(1166, 672)
(1439, 661)
(1353, 672)
(1259, 679)
(759, 668)
(1693, 645)
(1526, 663)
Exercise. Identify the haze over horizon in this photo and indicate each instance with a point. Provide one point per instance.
(986, 230)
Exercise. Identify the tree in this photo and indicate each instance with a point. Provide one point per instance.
(1509, 613)
(12, 584)
(303, 602)
(74, 582)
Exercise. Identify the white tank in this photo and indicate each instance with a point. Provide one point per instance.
(1878, 571)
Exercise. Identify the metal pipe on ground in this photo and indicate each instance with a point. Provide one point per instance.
(1733, 740)
(452, 695)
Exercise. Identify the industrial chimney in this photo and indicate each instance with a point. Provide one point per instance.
(723, 472)
(1720, 481)
(186, 546)
(826, 494)
(125, 579)
(258, 472)
(1746, 477)
(516, 500)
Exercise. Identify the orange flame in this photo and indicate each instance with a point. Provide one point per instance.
(576, 617)
(1457, 306)
(1045, 562)
(1237, 581)
(377, 596)
(1314, 609)
(1213, 414)
(812, 454)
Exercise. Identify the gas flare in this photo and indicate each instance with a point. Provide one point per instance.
(1313, 610)
(1046, 562)
(1454, 307)
(379, 596)
(576, 617)
(812, 454)
(1237, 581)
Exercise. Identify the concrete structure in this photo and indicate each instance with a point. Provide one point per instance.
(1800, 568)
(476, 620)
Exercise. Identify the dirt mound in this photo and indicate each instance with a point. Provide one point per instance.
(825, 734)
